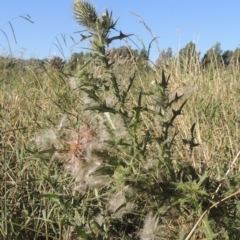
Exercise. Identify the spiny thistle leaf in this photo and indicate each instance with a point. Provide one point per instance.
(165, 81)
(85, 14)
(175, 99)
(120, 37)
(191, 142)
(140, 99)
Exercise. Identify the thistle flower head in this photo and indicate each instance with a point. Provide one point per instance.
(107, 21)
(85, 14)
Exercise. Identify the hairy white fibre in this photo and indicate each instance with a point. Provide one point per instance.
(118, 204)
(149, 231)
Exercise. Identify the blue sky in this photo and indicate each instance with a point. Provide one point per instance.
(174, 22)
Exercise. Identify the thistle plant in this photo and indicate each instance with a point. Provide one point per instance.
(116, 163)
(111, 166)
(114, 152)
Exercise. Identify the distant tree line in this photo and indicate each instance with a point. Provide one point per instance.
(187, 58)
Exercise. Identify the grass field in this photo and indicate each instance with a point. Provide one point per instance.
(119, 150)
